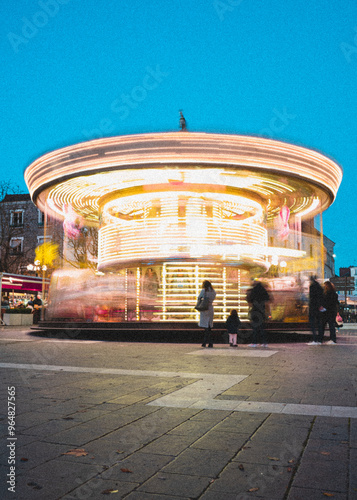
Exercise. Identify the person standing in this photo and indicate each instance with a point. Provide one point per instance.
(232, 324)
(37, 304)
(257, 298)
(330, 303)
(206, 317)
(315, 305)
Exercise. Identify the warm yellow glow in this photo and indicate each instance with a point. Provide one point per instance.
(313, 206)
(193, 197)
(263, 166)
(182, 284)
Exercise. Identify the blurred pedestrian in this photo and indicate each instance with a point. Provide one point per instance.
(30, 303)
(206, 317)
(330, 304)
(232, 324)
(37, 304)
(315, 306)
(257, 298)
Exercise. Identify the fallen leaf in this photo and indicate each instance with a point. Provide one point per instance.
(289, 469)
(118, 451)
(108, 492)
(328, 494)
(274, 458)
(23, 459)
(253, 489)
(291, 461)
(241, 467)
(34, 485)
(76, 452)
(325, 453)
(126, 470)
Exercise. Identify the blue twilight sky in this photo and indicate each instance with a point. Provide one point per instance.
(78, 69)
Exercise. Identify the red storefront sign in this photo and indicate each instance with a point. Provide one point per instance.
(20, 283)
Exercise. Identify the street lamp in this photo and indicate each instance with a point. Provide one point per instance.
(36, 266)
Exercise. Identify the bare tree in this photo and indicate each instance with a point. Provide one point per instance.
(78, 252)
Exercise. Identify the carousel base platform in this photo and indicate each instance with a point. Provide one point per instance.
(180, 332)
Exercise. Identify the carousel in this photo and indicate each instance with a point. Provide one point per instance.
(172, 209)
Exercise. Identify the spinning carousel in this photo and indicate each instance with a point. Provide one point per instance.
(172, 209)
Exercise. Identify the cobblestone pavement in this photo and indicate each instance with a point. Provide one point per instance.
(168, 421)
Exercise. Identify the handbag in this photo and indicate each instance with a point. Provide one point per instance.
(339, 320)
(202, 304)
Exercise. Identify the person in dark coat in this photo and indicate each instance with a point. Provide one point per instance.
(315, 304)
(330, 303)
(232, 324)
(206, 317)
(257, 298)
(37, 304)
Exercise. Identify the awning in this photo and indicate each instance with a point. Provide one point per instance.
(20, 283)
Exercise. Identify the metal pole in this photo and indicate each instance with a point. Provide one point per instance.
(42, 266)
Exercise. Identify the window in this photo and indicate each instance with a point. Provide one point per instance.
(41, 218)
(42, 239)
(16, 246)
(17, 218)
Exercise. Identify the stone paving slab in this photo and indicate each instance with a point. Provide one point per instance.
(264, 481)
(312, 494)
(323, 474)
(269, 453)
(140, 495)
(200, 462)
(100, 488)
(175, 485)
(142, 467)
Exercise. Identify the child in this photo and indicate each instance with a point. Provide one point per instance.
(232, 325)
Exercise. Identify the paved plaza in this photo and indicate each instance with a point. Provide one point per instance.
(82, 419)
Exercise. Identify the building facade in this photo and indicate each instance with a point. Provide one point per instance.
(21, 231)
